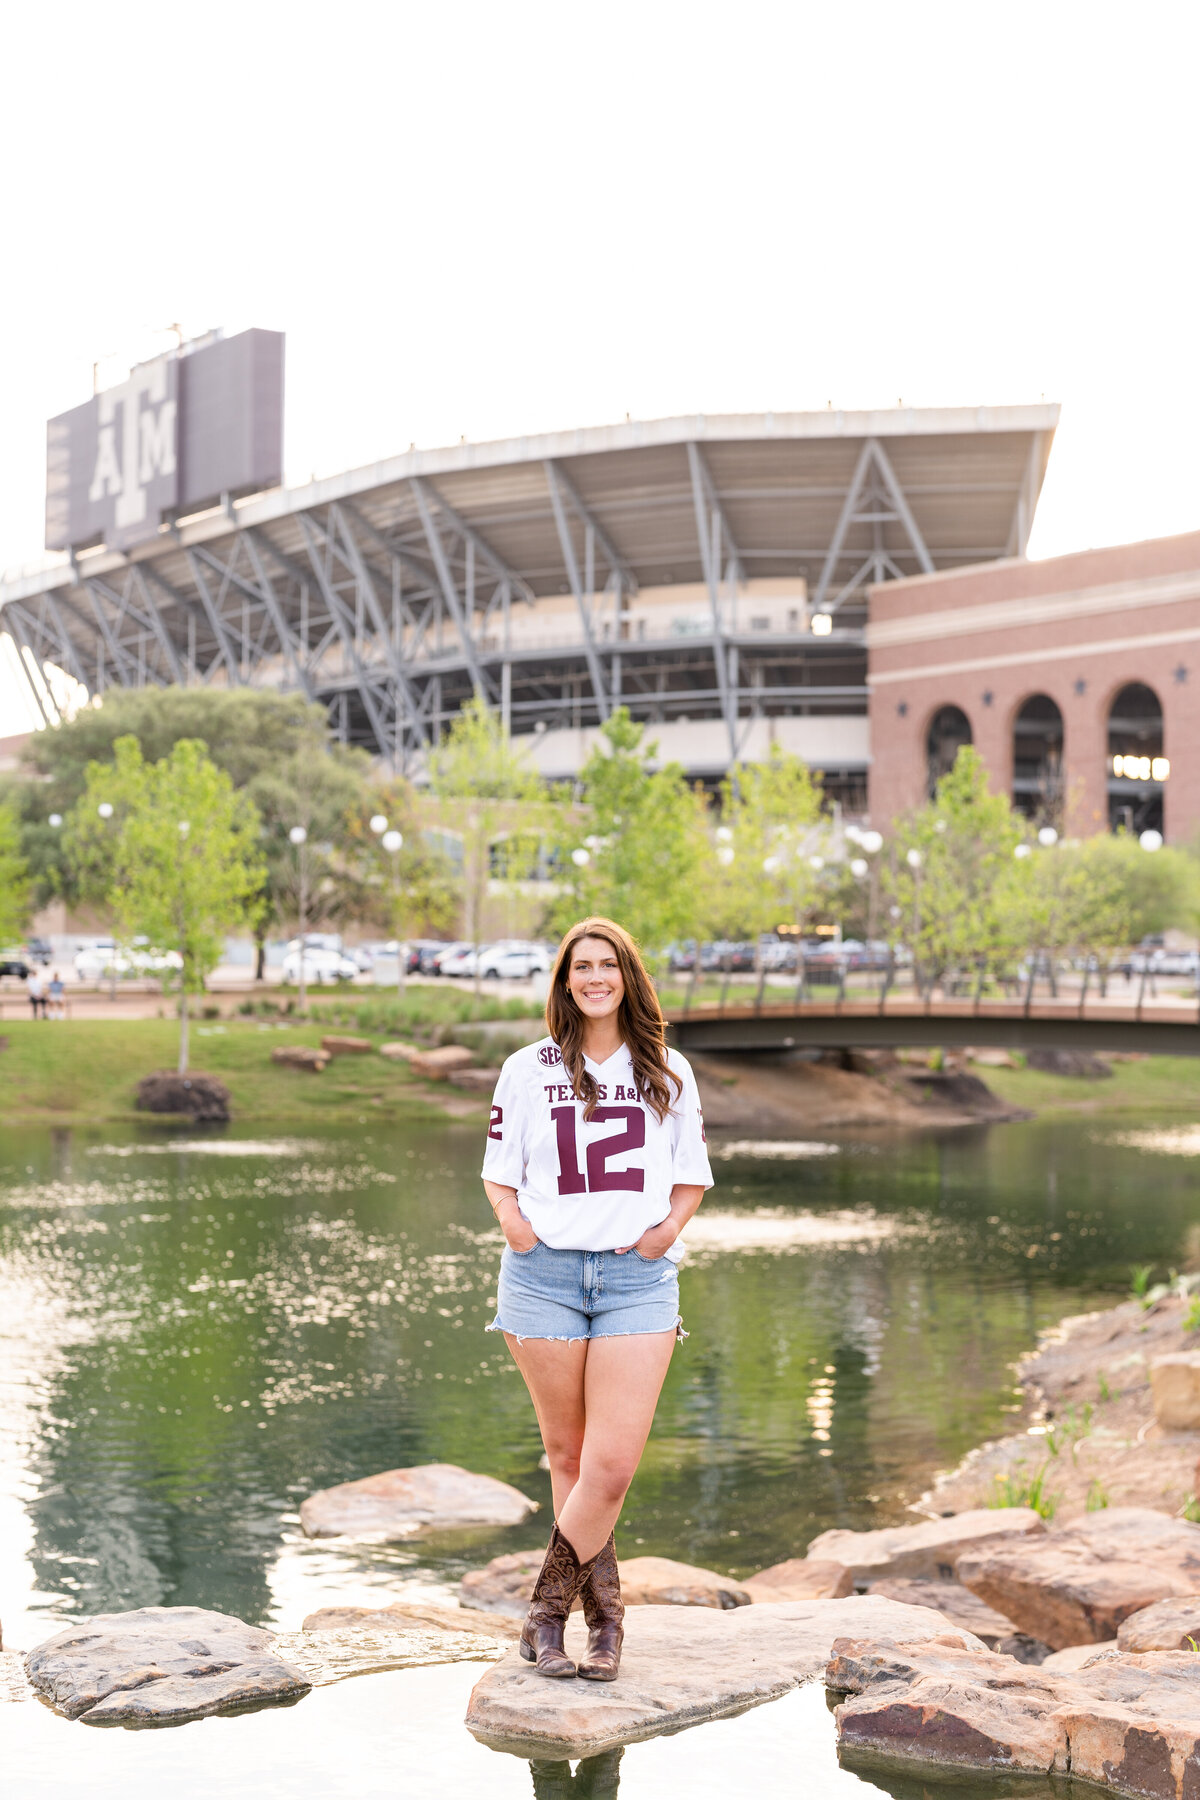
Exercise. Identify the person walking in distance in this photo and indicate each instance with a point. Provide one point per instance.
(55, 993)
(595, 1162)
(35, 993)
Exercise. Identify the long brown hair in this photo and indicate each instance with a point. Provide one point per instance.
(639, 1017)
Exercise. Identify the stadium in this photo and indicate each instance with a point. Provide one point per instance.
(709, 573)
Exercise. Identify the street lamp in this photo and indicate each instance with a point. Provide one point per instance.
(913, 859)
(1047, 837)
(581, 858)
(393, 843)
(55, 820)
(299, 837)
(859, 866)
(105, 809)
(1151, 840)
(378, 824)
(724, 855)
(1021, 851)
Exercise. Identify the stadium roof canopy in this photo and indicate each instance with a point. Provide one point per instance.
(393, 588)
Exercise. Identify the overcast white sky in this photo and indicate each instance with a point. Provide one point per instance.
(480, 219)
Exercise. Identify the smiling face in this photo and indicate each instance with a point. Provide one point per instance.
(594, 978)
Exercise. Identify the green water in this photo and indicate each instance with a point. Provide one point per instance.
(191, 1341)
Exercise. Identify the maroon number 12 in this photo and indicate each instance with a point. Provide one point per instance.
(599, 1179)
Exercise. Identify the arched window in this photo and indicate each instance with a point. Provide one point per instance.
(1136, 767)
(949, 730)
(1037, 760)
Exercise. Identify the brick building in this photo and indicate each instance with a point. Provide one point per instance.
(1077, 678)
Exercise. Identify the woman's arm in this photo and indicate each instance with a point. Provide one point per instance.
(518, 1232)
(685, 1202)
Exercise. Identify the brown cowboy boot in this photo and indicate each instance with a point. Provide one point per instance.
(562, 1575)
(604, 1611)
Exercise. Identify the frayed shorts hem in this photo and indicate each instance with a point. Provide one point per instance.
(586, 1337)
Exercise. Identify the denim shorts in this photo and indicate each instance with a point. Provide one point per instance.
(569, 1294)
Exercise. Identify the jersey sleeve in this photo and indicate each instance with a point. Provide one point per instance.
(506, 1150)
(689, 1150)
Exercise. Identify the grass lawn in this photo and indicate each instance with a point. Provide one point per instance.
(87, 1071)
(1157, 1084)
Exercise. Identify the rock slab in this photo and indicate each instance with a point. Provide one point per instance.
(300, 1056)
(160, 1665)
(402, 1503)
(1175, 1386)
(1130, 1724)
(505, 1585)
(929, 1551)
(499, 1627)
(1167, 1625)
(345, 1046)
(1079, 1583)
(327, 1656)
(955, 1602)
(800, 1578)
(435, 1065)
(680, 1666)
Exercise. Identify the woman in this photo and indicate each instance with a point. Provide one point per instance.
(595, 1162)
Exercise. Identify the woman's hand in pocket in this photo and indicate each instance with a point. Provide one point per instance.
(656, 1242)
(519, 1234)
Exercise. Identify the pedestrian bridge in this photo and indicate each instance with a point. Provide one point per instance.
(1167, 1025)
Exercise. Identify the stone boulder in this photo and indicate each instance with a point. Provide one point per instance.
(1077, 1584)
(435, 1065)
(346, 1046)
(199, 1097)
(399, 1052)
(955, 1602)
(505, 1585)
(1076, 1656)
(680, 1666)
(160, 1665)
(1175, 1386)
(800, 1578)
(501, 1628)
(1167, 1625)
(402, 1503)
(300, 1056)
(1129, 1724)
(475, 1081)
(929, 1551)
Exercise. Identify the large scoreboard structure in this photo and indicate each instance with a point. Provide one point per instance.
(709, 573)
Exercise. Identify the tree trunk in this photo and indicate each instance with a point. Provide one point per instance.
(183, 1027)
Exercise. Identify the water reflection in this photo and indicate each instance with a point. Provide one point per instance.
(190, 1343)
(595, 1778)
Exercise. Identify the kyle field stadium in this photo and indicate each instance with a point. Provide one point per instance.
(850, 586)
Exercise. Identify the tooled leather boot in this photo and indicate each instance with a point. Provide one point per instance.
(561, 1577)
(604, 1611)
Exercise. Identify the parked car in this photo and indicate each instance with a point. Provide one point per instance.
(14, 962)
(320, 966)
(777, 953)
(37, 949)
(725, 955)
(105, 957)
(513, 960)
(444, 953)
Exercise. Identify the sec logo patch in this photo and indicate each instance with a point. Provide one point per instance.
(549, 1054)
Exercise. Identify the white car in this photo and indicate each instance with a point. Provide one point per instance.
(102, 959)
(458, 962)
(513, 960)
(319, 966)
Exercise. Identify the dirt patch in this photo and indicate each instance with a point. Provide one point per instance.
(775, 1096)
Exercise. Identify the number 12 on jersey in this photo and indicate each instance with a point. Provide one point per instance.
(599, 1178)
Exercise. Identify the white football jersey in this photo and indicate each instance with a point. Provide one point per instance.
(598, 1183)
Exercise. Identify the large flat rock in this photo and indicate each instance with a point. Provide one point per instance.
(800, 1578)
(681, 1665)
(1130, 1724)
(331, 1655)
(1167, 1625)
(954, 1602)
(403, 1614)
(160, 1665)
(1078, 1584)
(403, 1503)
(505, 1585)
(929, 1551)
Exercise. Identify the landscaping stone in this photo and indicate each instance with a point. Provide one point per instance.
(1129, 1724)
(505, 1585)
(399, 1052)
(300, 1056)
(401, 1503)
(955, 1602)
(199, 1097)
(1175, 1386)
(160, 1665)
(929, 1551)
(800, 1578)
(346, 1046)
(1167, 1625)
(680, 1666)
(435, 1065)
(1077, 1584)
(1080, 1064)
(476, 1081)
(334, 1654)
(657, 1581)
(501, 1628)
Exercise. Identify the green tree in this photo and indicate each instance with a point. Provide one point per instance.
(951, 876)
(647, 850)
(411, 891)
(485, 792)
(177, 859)
(14, 878)
(771, 848)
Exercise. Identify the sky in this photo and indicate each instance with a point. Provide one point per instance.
(477, 221)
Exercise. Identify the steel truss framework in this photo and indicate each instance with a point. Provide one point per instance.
(515, 572)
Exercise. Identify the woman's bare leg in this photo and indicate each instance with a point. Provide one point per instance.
(554, 1373)
(622, 1379)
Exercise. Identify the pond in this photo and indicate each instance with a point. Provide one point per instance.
(195, 1334)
